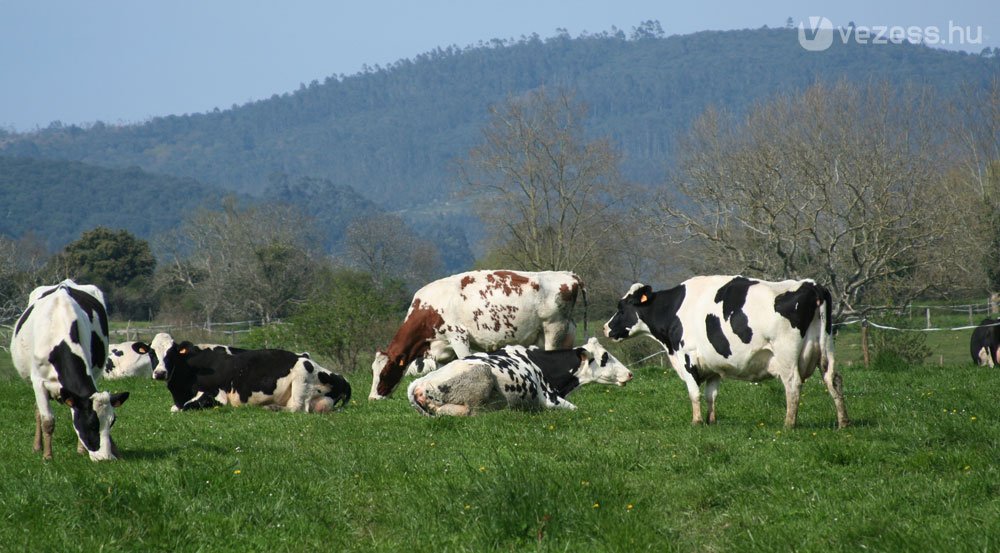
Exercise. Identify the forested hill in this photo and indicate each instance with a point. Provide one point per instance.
(393, 132)
(58, 200)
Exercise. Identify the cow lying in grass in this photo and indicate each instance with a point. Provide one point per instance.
(516, 377)
(127, 359)
(163, 341)
(207, 377)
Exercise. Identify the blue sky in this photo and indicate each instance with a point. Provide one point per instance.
(124, 61)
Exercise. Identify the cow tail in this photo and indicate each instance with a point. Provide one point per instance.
(826, 329)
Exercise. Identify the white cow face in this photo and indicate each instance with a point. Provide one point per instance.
(381, 360)
(602, 367)
(93, 418)
(628, 321)
(158, 349)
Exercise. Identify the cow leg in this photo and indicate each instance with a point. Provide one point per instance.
(711, 391)
(38, 432)
(48, 426)
(835, 385)
(452, 410)
(793, 390)
(695, 394)
(45, 422)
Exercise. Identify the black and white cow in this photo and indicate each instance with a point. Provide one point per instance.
(163, 341)
(127, 359)
(985, 343)
(514, 377)
(206, 377)
(716, 327)
(60, 345)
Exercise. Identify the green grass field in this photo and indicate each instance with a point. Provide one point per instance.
(917, 471)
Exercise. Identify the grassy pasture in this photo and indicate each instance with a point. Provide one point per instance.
(625, 472)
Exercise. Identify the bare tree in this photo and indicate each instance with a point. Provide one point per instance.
(386, 248)
(551, 198)
(975, 131)
(253, 261)
(841, 183)
(22, 268)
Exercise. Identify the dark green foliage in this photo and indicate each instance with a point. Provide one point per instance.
(107, 258)
(333, 206)
(115, 261)
(392, 132)
(59, 200)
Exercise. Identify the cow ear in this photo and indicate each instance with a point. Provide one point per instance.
(67, 397)
(584, 355)
(644, 294)
(140, 347)
(118, 399)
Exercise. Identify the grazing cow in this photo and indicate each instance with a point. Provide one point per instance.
(128, 359)
(206, 377)
(735, 327)
(985, 342)
(515, 377)
(163, 341)
(60, 345)
(482, 311)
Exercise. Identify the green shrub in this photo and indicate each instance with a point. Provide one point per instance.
(349, 318)
(898, 348)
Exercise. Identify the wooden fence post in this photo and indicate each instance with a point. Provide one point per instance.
(864, 341)
(928, 317)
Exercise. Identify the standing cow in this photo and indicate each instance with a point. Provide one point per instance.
(60, 345)
(734, 327)
(985, 343)
(515, 377)
(481, 311)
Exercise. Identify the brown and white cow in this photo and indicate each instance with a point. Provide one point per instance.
(716, 327)
(479, 311)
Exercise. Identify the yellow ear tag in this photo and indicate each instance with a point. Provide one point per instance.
(401, 363)
(182, 351)
(643, 299)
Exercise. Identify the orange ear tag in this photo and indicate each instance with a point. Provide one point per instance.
(643, 299)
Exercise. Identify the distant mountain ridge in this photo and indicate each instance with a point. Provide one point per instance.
(394, 133)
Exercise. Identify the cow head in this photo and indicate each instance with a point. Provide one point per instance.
(632, 308)
(158, 348)
(597, 365)
(381, 364)
(93, 418)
